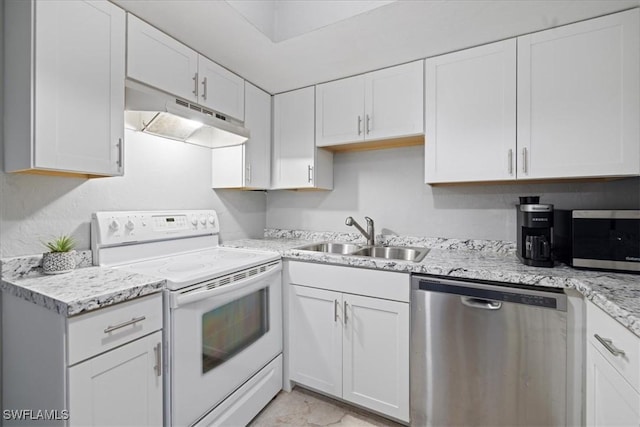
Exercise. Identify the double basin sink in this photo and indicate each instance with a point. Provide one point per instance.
(399, 253)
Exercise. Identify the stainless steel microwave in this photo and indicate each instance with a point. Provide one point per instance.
(606, 239)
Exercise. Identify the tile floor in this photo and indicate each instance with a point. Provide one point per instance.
(303, 408)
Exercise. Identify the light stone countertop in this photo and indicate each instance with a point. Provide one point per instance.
(616, 293)
(84, 289)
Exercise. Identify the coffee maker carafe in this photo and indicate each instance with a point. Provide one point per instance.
(535, 228)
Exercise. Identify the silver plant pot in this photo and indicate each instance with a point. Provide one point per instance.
(58, 262)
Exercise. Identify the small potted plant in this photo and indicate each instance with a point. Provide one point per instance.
(61, 256)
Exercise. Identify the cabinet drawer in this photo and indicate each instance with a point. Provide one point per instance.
(96, 332)
(360, 281)
(601, 324)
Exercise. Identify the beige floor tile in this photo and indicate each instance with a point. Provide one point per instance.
(303, 408)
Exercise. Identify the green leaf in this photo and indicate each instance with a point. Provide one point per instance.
(62, 243)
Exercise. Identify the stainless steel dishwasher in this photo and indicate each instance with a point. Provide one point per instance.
(487, 355)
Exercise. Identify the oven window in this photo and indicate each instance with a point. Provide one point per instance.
(229, 329)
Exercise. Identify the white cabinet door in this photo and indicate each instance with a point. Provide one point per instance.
(160, 61)
(470, 110)
(579, 99)
(258, 147)
(315, 328)
(247, 165)
(79, 87)
(295, 156)
(220, 89)
(394, 99)
(120, 387)
(293, 138)
(611, 401)
(228, 167)
(376, 354)
(340, 111)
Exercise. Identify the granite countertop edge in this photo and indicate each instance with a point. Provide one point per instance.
(82, 290)
(481, 264)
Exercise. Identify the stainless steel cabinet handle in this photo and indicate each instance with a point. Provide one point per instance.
(608, 344)
(524, 160)
(335, 310)
(510, 157)
(158, 353)
(248, 178)
(484, 304)
(120, 153)
(195, 85)
(310, 173)
(345, 312)
(204, 88)
(368, 125)
(124, 324)
(359, 125)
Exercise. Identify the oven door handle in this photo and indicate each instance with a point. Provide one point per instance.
(199, 295)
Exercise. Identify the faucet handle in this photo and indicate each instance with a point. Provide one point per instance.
(349, 220)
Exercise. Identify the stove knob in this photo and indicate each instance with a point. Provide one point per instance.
(194, 220)
(212, 220)
(203, 220)
(114, 225)
(129, 225)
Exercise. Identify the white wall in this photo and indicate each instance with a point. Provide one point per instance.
(387, 185)
(159, 174)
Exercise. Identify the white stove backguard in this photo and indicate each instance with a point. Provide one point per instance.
(127, 236)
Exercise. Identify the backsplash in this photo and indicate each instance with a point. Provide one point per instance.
(496, 246)
(159, 174)
(388, 186)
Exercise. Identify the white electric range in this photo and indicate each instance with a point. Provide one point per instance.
(223, 311)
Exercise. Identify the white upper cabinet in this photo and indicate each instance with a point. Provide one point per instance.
(394, 99)
(340, 111)
(64, 87)
(159, 60)
(297, 163)
(573, 91)
(247, 165)
(579, 99)
(220, 89)
(382, 104)
(470, 113)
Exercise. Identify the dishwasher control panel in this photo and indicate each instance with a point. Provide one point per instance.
(491, 292)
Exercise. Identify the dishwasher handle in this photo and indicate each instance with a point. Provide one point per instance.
(482, 303)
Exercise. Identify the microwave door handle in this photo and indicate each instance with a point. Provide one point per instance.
(182, 299)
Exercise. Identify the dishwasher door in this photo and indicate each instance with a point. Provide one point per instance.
(487, 355)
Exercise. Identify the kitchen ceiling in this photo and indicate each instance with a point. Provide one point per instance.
(391, 34)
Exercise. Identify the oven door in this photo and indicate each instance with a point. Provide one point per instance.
(220, 338)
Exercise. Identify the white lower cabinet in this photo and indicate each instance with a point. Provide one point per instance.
(613, 372)
(350, 346)
(97, 395)
(101, 368)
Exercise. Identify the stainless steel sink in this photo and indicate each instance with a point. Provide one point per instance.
(400, 253)
(333, 248)
(393, 252)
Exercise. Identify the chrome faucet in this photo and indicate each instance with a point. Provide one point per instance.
(369, 234)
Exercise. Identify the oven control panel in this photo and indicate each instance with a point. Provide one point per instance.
(117, 228)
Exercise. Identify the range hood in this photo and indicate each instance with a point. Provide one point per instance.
(155, 112)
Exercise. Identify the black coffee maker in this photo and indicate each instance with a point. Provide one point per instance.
(535, 228)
